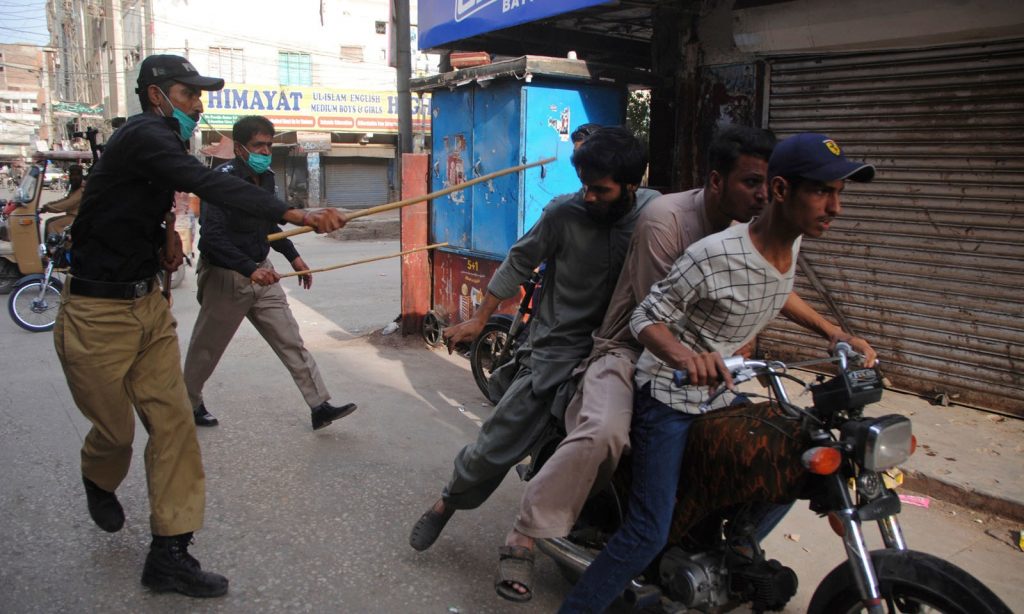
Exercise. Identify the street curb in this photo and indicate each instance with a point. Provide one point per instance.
(358, 230)
(964, 497)
(381, 227)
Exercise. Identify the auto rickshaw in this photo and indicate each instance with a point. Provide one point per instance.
(25, 256)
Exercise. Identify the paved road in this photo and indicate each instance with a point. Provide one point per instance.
(303, 521)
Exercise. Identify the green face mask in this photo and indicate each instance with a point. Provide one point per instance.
(186, 125)
(259, 163)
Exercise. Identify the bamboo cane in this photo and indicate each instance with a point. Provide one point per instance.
(414, 199)
(365, 260)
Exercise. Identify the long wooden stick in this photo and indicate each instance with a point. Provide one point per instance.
(414, 199)
(365, 260)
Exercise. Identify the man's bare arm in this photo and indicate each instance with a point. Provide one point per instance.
(798, 311)
(705, 369)
(468, 330)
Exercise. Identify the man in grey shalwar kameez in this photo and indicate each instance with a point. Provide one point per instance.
(583, 238)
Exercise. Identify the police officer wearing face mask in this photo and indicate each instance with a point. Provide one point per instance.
(115, 335)
(236, 280)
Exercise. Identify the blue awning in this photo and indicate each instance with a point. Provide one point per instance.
(443, 21)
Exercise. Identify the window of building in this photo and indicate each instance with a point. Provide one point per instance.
(228, 63)
(294, 68)
(352, 53)
(381, 27)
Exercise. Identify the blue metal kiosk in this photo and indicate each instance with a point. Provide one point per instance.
(492, 117)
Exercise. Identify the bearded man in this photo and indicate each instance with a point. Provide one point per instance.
(582, 238)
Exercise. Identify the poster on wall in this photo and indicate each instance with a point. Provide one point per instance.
(312, 108)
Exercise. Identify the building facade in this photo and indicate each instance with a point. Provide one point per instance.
(320, 70)
(926, 261)
(22, 101)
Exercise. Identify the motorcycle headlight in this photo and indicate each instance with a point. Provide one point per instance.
(880, 443)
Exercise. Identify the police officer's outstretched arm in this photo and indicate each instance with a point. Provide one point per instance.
(163, 158)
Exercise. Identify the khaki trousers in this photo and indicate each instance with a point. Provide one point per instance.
(597, 422)
(119, 354)
(225, 297)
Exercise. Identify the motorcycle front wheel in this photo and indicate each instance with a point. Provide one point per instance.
(33, 311)
(484, 351)
(910, 582)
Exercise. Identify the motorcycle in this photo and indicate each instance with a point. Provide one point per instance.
(496, 344)
(22, 252)
(34, 303)
(746, 459)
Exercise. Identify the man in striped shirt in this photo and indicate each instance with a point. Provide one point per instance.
(717, 296)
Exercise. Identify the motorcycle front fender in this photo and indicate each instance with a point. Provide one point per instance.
(56, 283)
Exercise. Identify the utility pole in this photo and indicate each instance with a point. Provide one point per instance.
(403, 67)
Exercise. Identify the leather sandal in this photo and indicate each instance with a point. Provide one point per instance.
(515, 566)
(429, 526)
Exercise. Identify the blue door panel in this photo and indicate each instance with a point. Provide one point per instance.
(553, 111)
(452, 155)
(496, 146)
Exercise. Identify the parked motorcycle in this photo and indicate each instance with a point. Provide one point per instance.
(744, 460)
(501, 336)
(21, 243)
(34, 303)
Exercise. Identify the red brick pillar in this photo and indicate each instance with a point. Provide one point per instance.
(416, 278)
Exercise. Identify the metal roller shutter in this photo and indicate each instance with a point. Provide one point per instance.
(356, 183)
(927, 261)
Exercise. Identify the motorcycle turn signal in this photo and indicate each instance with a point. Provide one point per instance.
(821, 460)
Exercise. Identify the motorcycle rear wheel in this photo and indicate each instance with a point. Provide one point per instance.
(910, 582)
(483, 353)
(31, 312)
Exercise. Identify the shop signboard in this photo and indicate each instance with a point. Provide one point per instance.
(76, 108)
(443, 21)
(312, 109)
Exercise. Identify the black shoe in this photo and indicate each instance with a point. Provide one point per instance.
(203, 417)
(169, 567)
(325, 413)
(104, 508)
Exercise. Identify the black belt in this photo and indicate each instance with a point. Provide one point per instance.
(125, 290)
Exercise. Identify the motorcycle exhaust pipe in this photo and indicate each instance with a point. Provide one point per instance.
(568, 554)
(641, 596)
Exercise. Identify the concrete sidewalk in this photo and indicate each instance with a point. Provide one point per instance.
(965, 456)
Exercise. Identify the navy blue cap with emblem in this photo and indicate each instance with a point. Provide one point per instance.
(157, 69)
(817, 157)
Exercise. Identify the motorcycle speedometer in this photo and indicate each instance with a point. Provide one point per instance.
(848, 390)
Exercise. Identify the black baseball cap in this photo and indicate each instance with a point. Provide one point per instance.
(157, 69)
(816, 157)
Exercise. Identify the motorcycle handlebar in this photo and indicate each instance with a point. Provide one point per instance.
(680, 377)
(843, 353)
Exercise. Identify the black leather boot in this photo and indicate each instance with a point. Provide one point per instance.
(169, 567)
(203, 417)
(104, 508)
(325, 413)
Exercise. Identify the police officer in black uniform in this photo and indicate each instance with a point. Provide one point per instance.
(236, 281)
(115, 334)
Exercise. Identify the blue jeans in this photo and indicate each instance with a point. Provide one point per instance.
(658, 436)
